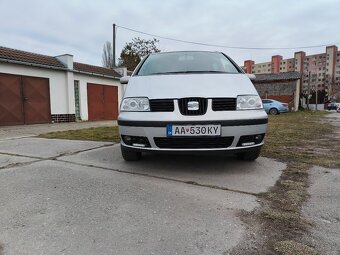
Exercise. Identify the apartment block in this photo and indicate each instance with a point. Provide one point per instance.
(318, 72)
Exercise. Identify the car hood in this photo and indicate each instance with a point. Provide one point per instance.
(189, 85)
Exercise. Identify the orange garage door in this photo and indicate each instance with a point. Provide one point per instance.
(102, 102)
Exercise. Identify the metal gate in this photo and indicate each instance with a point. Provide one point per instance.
(102, 102)
(11, 103)
(24, 100)
(36, 94)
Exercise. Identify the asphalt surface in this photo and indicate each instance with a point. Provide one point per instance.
(323, 209)
(80, 197)
(218, 171)
(323, 206)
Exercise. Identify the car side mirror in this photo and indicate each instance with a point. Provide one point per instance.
(251, 76)
(124, 80)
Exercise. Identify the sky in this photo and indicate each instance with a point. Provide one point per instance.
(81, 27)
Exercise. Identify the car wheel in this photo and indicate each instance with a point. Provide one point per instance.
(273, 111)
(130, 155)
(249, 155)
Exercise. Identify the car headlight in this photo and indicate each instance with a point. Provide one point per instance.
(249, 102)
(135, 104)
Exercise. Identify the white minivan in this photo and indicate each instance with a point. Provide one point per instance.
(190, 101)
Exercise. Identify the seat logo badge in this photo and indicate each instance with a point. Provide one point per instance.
(193, 106)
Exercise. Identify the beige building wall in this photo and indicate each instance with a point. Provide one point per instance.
(283, 66)
(337, 68)
(322, 69)
(261, 68)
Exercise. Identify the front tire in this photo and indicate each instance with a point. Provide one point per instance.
(249, 155)
(130, 155)
(273, 111)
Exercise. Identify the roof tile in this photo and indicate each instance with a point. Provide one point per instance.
(29, 57)
(49, 61)
(95, 69)
(277, 76)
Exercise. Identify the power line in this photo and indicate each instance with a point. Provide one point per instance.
(225, 46)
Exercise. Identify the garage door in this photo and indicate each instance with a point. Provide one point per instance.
(102, 102)
(11, 104)
(36, 100)
(24, 100)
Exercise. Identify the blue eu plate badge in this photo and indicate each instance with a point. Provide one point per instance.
(169, 130)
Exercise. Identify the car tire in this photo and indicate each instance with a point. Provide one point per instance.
(249, 155)
(130, 155)
(273, 111)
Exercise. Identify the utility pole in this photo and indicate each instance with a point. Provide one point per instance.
(308, 92)
(316, 97)
(114, 45)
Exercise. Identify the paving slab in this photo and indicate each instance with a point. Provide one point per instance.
(52, 207)
(45, 148)
(7, 160)
(220, 170)
(323, 209)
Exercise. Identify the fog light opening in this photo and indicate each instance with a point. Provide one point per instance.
(138, 145)
(250, 140)
(258, 138)
(137, 141)
(248, 144)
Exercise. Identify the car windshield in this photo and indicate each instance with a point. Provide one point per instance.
(187, 62)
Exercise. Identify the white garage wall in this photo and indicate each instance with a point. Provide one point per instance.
(57, 80)
(83, 80)
(62, 86)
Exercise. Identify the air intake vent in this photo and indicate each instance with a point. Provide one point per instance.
(193, 106)
(161, 105)
(224, 104)
(193, 142)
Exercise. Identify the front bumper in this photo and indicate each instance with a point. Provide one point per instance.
(283, 109)
(156, 128)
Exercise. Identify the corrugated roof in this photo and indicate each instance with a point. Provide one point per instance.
(22, 57)
(277, 76)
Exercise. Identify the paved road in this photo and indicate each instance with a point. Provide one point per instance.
(80, 197)
(323, 207)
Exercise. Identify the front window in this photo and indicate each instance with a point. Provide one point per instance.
(187, 62)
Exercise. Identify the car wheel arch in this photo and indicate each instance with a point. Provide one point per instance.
(274, 111)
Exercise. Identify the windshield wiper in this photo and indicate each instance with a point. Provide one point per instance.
(188, 72)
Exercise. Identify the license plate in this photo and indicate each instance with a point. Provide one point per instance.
(193, 130)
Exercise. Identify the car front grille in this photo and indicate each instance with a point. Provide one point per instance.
(193, 142)
(202, 106)
(224, 104)
(162, 105)
(218, 104)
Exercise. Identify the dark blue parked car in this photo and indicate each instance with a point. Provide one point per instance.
(333, 106)
(274, 107)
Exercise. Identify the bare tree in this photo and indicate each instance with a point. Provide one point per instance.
(107, 56)
(332, 86)
(336, 91)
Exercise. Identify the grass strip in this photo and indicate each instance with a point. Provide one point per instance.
(103, 134)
